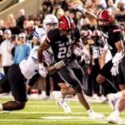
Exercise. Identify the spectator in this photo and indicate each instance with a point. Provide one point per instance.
(22, 50)
(5, 51)
(1, 36)
(10, 21)
(2, 24)
(20, 20)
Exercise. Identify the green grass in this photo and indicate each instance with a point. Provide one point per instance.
(36, 112)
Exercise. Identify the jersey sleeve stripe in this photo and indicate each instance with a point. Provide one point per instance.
(36, 34)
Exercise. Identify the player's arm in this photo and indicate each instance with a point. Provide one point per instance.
(120, 50)
(52, 69)
(81, 9)
(117, 58)
(44, 46)
(119, 45)
(42, 69)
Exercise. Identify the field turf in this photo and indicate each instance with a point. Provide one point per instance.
(47, 112)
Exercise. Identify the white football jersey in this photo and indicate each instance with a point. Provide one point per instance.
(40, 34)
(29, 66)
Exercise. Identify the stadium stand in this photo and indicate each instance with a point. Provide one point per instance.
(4, 4)
(30, 7)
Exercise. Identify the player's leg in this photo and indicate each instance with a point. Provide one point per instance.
(18, 88)
(12, 105)
(119, 106)
(32, 82)
(4, 85)
(79, 73)
(104, 73)
(68, 75)
(59, 96)
(66, 89)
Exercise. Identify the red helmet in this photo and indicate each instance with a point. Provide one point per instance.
(105, 18)
(66, 23)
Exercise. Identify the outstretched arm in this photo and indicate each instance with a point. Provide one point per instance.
(81, 9)
(42, 69)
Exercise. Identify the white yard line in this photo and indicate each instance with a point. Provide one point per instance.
(29, 112)
(57, 113)
(54, 118)
(55, 106)
(66, 119)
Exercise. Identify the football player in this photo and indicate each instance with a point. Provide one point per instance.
(62, 41)
(50, 22)
(16, 79)
(114, 36)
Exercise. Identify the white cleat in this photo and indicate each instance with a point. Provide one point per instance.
(65, 106)
(61, 102)
(96, 116)
(112, 100)
(114, 118)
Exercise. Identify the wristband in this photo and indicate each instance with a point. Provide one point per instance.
(59, 64)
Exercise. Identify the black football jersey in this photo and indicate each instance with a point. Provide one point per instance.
(114, 34)
(62, 46)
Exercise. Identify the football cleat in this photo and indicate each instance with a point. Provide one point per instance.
(64, 105)
(112, 100)
(96, 116)
(114, 118)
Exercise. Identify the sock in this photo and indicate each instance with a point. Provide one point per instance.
(1, 107)
(89, 111)
(56, 95)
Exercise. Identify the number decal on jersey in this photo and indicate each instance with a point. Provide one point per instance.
(64, 52)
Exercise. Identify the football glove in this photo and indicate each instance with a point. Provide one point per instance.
(115, 69)
(79, 8)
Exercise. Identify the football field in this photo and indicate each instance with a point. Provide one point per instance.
(47, 112)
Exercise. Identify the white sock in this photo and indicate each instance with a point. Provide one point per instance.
(56, 95)
(1, 107)
(89, 111)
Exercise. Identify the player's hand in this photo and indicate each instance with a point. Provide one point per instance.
(115, 69)
(77, 7)
(42, 70)
(97, 33)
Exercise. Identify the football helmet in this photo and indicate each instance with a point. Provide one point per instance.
(66, 25)
(105, 18)
(50, 20)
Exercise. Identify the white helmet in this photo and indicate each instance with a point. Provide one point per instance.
(50, 19)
